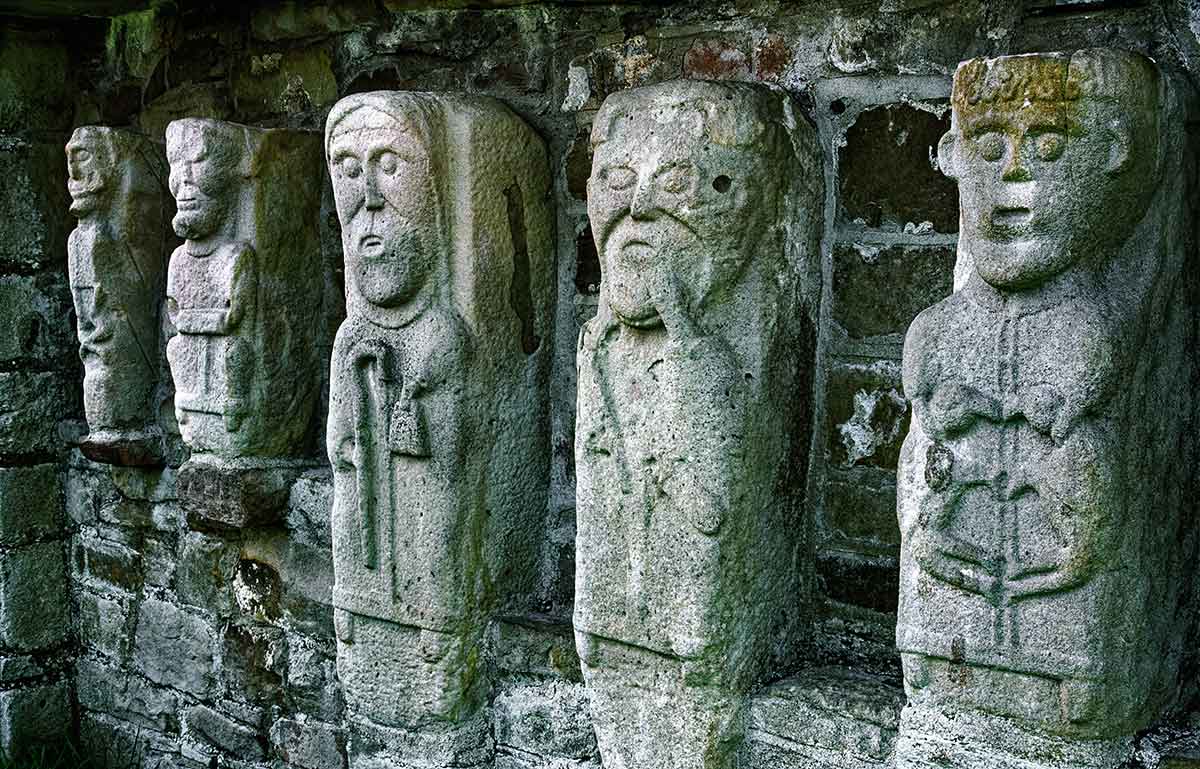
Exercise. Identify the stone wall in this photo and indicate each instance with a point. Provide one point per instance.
(218, 649)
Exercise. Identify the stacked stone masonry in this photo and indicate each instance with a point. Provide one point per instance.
(547, 385)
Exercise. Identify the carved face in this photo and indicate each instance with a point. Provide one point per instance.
(204, 179)
(89, 171)
(663, 196)
(387, 206)
(1043, 186)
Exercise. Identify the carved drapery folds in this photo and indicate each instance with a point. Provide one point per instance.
(703, 200)
(1042, 482)
(116, 254)
(437, 422)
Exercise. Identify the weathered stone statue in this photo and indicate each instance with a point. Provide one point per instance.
(689, 450)
(244, 293)
(437, 417)
(1043, 482)
(115, 260)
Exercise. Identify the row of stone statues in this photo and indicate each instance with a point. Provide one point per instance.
(1040, 496)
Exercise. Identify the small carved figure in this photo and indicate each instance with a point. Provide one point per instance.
(702, 200)
(244, 289)
(1038, 501)
(117, 181)
(436, 419)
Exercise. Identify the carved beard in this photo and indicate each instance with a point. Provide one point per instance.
(197, 223)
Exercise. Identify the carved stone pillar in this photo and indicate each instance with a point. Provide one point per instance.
(244, 293)
(115, 257)
(703, 200)
(1043, 485)
(438, 432)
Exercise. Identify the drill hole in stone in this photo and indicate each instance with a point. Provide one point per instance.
(722, 183)
(837, 106)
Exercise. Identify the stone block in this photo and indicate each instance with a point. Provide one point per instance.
(21, 668)
(174, 648)
(204, 578)
(286, 81)
(309, 744)
(31, 404)
(825, 717)
(213, 728)
(879, 289)
(536, 646)
(106, 688)
(220, 498)
(33, 596)
(104, 624)
(309, 503)
(887, 173)
(868, 582)
(31, 504)
(548, 719)
(253, 662)
(312, 682)
(32, 327)
(33, 232)
(104, 563)
(35, 83)
(859, 509)
(34, 717)
(866, 414)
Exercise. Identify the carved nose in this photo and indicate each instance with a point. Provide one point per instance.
(642, 206)
(1015, 170)
(374, 200)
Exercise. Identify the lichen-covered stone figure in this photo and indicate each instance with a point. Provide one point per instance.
(437, 426)
(117, 181)
(691, 435)
(1042, 484)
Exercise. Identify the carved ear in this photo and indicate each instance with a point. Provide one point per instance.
(1119, 148)
(946, 154)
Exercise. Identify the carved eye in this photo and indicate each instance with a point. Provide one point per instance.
(991, 146)
(676, 179)
(83, 156)
(350, 167)
(1050, 145)
(619, 177)
(388, 162)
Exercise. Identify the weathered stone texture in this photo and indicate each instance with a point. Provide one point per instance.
(704, 205)
(33, 589)
(437, 428)
(174, 648)
(1041, 495)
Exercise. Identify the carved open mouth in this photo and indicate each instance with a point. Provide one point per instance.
(187, 204)
(370, 245)
(1011, 221)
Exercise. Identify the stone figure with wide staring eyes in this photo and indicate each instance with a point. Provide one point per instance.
(1040, 495)
(436, 421)
(703, 201)
(115, 259)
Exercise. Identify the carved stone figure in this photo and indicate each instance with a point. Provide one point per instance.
(1042, 482)
(244, 289)
(117, 181)
(689, 440)
(437, 427)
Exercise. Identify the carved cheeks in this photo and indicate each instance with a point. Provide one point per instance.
(387, 204)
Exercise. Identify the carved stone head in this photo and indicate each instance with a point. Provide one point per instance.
(385, 150)
(681, 181)
(1056, 158)
(209, 159)
(91, 162)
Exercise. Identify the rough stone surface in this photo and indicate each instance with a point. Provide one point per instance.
(219, 497)
(31, 403)
(174, 648)
(31, 504)
(244, 289)
(33, 231)
(1041, 490)
(34, 716)
(879, 288)
(437, 430)
(116, 258)
(33, 585)
(703, 203)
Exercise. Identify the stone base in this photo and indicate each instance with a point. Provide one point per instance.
(222, 498)
(464, 745)
(824, 717)
(132, 449)
(937, 740)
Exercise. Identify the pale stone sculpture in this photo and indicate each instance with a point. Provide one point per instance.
(437, 426)
(244, 290)
(117, 181)
(703, 200)
(1042, 483)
